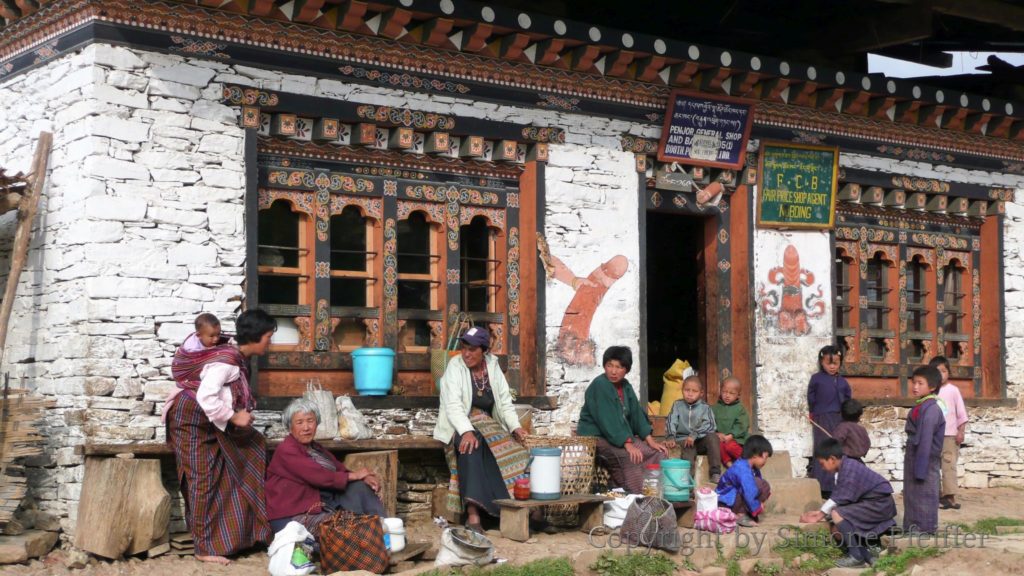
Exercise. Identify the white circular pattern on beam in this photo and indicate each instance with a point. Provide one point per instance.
(865, 83)
(726, 59)
(891, 86)
(595, 33)
(524, 20)
(660, 47)
(1009, 108)
(784, 68)
(755, 63)
(965, 100)
(627, 40)
(986, 104)
(812, 73)
(916, 92)
(447, 6)
(487, 13)
(840, 78)
(940, 96)
(693, 52)
(405, 3)
(560, 27)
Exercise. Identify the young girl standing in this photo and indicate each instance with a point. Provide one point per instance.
(926, 428)
(826, 393)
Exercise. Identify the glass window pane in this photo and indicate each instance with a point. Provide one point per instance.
(414, 245)
(413, 294)
(475, 245)
(348, 240)
(348, 292)
(278, 289)
(278, 236)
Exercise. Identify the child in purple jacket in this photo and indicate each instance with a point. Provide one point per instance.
(826, 393)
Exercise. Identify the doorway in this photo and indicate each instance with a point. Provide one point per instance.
(677, 288)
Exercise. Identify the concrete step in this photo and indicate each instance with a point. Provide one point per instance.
(793, 497)
(778, 467)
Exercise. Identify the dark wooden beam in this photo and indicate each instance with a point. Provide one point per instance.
(826, 99)
(929, 115)
(261, 7)
(582, 58)
(907, 111)
(919, 55)
(510, 46)
(306, 10)
(27, 6)
(855, 103)
(9, 10)
(682, 74)
(800, 93)
(954, 118)
(392, 22)
(710, 79)
(976, 122)
(876, 30)
(433, 32)
(647, 69)
(348, 16)
(995, 12)
(617, 63)
(772, 88)
(879, 107)
(999, 127)
(474, 38)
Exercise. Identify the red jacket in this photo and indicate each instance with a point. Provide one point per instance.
(294, 479)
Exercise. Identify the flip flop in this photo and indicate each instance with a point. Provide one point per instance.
(476, 527)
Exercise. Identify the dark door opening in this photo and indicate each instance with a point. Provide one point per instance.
(676, 296)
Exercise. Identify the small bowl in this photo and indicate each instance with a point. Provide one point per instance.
(471, 539)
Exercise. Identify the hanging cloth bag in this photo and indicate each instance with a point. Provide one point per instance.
(324, 401)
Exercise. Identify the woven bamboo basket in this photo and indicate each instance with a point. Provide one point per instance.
(578, 454)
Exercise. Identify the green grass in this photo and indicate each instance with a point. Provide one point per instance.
(633, 565)
(817, 543)
(898, 563)
(767, 569)
(542, 567)
(988, 525)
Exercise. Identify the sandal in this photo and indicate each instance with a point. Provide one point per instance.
(542, 526)
(475, 527)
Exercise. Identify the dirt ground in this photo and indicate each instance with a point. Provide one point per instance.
(1000, 555)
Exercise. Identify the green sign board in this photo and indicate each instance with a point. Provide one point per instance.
(797, 185)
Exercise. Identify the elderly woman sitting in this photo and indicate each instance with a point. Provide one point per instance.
(306, 483)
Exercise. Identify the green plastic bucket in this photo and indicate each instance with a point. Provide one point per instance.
(675, 479)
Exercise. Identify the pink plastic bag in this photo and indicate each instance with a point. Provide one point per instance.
(720, 520)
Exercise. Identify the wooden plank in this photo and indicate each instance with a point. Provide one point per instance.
(385, 464)
(530, 376)
(19, 247)
(742, 315)
(412, 550)
(515, 523)
(124, 507)
(993, 347)
(160, 449)
(565, 499)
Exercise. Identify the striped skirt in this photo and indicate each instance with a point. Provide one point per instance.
(498, 447)
(221, 477)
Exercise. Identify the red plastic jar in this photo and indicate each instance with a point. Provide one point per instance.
(521, 490)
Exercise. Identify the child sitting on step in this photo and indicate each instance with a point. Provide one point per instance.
(742, 488)
(731, 420)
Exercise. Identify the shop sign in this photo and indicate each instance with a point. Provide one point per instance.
(705, 131)
(796, 185)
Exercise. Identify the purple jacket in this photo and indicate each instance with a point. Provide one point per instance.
(294, 479)
(826, 393)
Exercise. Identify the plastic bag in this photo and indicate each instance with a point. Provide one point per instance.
(282, 549)
(468, 548)
(720, 520)
(324, 401)
(351, 423)
(615, 510)
(673, 384)
(707, 499)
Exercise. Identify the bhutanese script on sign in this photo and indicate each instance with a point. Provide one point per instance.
(705, 131)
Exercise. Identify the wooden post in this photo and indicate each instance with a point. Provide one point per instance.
(385, 464)
(26, 215)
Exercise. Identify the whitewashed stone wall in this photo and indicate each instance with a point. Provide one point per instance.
(995, 435)
(142, 228)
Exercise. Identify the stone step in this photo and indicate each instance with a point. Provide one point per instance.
(30, 544)
(793, 497)
(778, 467)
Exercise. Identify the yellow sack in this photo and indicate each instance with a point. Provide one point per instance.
(673, 382)
(654, 408)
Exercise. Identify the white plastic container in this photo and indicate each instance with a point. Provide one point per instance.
(545, 473)
(395, 529)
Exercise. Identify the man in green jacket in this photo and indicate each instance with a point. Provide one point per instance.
(612, 413)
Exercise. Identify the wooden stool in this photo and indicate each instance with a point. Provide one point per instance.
(515, 514)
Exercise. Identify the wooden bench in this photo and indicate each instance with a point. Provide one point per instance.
(515, 514)
(164, 449)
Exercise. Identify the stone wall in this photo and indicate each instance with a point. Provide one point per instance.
(141, 228)
(995, 436)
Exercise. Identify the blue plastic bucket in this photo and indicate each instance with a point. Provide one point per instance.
(675, 479)
(374, 368)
